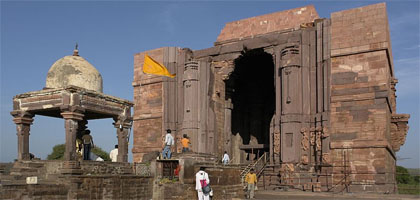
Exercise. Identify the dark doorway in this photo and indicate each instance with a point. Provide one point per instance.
(253, 97)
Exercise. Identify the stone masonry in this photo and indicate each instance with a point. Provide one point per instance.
(316, 96)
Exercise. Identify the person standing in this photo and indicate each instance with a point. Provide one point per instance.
(225, 159)
(87, 144)
(114, 154)
(251, 179)
(201, 180)
(185, 143)
(79, 146)
(169, 141)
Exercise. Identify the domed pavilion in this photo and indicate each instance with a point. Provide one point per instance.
(73, 92)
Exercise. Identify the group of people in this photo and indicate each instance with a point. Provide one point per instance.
(185, 141)
(169, 142)
(86, 144)
(204, 191)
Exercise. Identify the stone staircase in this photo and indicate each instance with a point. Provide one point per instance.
(19, 170)
(271, 179)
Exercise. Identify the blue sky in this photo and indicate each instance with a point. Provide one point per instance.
(36, 34)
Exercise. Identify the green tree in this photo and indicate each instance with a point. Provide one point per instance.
(416, 179)
(59, 149)
(57, 153)
(403, 177)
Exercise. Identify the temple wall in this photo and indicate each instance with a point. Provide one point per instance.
(361, 69)
(250, 27)
(148, 107)
(335, 105)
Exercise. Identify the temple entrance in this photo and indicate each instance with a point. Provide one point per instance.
(252, 93)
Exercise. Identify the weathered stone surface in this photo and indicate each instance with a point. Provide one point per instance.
(331, 115)
(399, 129)
(74, 70)
(267, 23)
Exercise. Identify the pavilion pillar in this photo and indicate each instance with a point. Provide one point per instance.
(123, 124)
(23, 121)
(71, 117)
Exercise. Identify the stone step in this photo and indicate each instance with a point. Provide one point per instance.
(28, 164)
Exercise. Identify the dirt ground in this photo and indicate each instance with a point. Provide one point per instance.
(328, 196)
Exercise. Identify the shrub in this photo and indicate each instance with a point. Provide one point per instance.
(403, 177)
(57, 153)
(59, 149)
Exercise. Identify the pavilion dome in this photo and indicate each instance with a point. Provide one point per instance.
(74, 70)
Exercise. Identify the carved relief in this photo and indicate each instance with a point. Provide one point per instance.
(399, 129)
(276, 142)
(312, 139)
(325, 132)
(305, 159)
(313, 136)
(305, 139)
(318, 139)
(326, 158)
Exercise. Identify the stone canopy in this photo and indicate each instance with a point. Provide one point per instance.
(73, 92)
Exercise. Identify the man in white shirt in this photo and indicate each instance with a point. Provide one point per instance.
(225, 159)
(169, 141)
(201, 177)
(114, 154)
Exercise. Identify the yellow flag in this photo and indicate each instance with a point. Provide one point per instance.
(150, 66)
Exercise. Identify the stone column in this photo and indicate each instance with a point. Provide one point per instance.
(275, 134)
(123, 125)
(228, 126)
(71, 117)
(190, 124)
(23, 121)
(291, 104)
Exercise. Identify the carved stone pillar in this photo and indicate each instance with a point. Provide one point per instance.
(71, 115)
(228, 126)
(23, 121)
(291, 104)
(394, 82)
(123, 125)
(190, 124)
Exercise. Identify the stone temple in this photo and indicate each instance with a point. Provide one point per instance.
(308, 102)
(315, 97)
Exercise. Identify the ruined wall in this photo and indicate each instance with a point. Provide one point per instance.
(181, 104)
(360, 94)
(278, 21)
(335, 107)
(83, 187)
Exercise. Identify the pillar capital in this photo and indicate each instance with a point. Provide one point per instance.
(22, 117)
(123, 121)
(72, 112)
(72, 115)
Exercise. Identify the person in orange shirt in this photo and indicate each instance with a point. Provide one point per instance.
(251, 179)
(185, 143)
